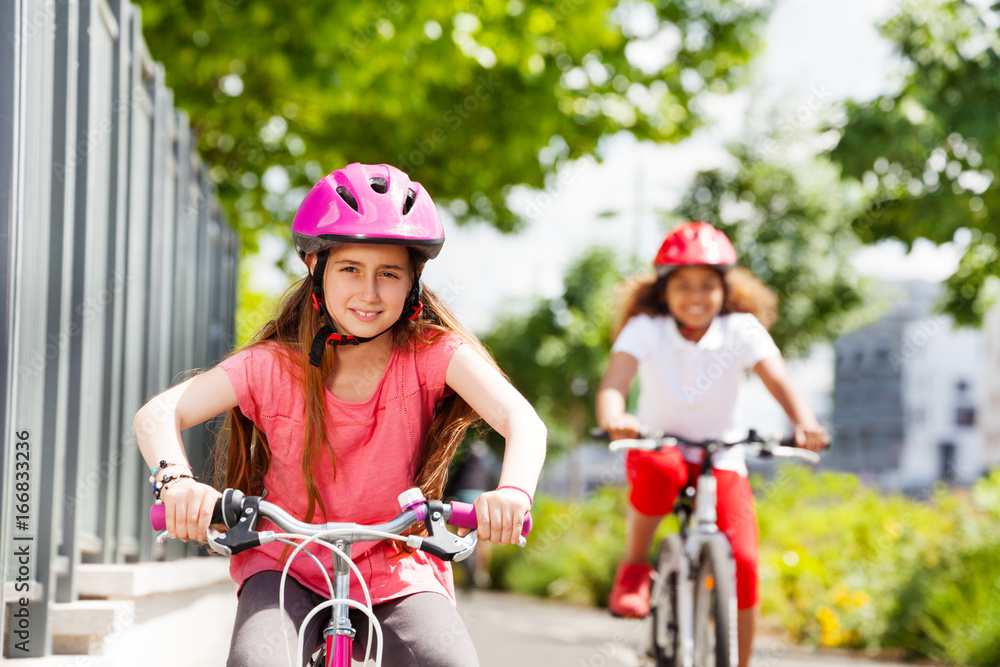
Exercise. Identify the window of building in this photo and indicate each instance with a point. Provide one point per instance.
(965, 416)
(947, 459)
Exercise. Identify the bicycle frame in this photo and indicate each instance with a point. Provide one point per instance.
(698, 525)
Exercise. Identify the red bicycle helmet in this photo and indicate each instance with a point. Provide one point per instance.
(694, 243)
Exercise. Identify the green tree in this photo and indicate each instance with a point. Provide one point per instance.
(472, 97)
(790, 225)
(556, 353)
(928, 155)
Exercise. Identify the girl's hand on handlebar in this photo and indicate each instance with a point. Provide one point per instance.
(500, 515)
(189, 505)
(813, 438)
(623, 426)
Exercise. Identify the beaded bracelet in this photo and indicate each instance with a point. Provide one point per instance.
(166, 480)
(531, 501)
(164, 464)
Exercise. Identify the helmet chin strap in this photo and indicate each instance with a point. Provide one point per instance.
(328, 334)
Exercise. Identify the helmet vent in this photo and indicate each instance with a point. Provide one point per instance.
(379, 184)
(346, 195)
(411, 197)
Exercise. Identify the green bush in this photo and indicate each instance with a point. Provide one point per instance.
(841, 564)
(951, 610)
(833, 553)
(572, 551)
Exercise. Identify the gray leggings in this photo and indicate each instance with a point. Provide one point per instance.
(420, 630)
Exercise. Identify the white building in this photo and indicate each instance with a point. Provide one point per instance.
(989, 413)
(942, 374)
(907, 392)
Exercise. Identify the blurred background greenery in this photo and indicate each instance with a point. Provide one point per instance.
(841, 565)
(482, 97)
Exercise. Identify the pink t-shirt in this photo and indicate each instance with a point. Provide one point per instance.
(378, 444)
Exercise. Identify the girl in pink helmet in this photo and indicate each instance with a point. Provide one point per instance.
(361, 387)
(690, 332)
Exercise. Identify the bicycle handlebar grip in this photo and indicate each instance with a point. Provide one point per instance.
(463, 515)
(158, 515)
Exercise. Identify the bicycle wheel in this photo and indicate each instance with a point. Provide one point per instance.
(715, 606)
(665, 621)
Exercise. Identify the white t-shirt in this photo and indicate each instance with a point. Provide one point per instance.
(690, 389)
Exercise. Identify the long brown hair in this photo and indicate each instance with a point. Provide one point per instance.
(645, 294)
(242, 453)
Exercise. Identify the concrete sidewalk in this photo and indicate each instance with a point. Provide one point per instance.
(515, 630)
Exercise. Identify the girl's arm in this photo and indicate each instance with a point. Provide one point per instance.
(611, 414)
(808, 433)
(501, 512)
(158, 426)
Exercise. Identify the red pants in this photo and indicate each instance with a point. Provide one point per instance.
(658, 477)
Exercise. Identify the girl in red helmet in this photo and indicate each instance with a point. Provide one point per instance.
(690, 332)
(361, 387)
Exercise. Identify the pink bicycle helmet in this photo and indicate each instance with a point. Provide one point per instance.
(364, 203)
(694, 243)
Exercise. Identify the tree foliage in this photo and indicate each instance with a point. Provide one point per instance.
(471, 97)
(928, 155)
(555, 354)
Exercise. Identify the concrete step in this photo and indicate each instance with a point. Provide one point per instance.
(83, 627)
(128, 582)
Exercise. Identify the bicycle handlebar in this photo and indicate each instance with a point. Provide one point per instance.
(241, 514)
(756, 445)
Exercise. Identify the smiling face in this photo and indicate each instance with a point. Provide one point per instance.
(365, 286)
(695, 296)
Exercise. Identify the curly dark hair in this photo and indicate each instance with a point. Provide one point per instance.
(645, 294)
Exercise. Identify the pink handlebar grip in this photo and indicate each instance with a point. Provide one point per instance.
(463, 515)
(158, 517)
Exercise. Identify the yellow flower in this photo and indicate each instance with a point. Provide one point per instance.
(860, 599)
(829, 626)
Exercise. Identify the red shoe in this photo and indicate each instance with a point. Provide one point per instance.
(630, 593)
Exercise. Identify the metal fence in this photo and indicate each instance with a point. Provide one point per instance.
(119, 274)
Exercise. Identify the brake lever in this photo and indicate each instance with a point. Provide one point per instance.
(440, 541)
(470, 540)
(243, 535)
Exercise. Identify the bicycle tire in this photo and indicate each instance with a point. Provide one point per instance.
(715, 641)
(665, 621)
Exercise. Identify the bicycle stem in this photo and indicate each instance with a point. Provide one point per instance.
(340, 623)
